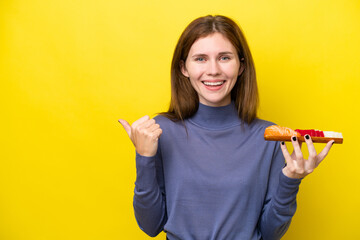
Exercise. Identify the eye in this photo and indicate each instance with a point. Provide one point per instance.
(225, 58)
(199, 59)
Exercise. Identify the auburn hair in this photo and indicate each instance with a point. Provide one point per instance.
(184, 99)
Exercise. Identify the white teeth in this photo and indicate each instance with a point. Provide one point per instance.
(213, 83)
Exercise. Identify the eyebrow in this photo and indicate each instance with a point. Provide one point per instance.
(221, 53)
(203, 54)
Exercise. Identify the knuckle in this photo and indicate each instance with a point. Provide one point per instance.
(143, 132)
(135, 129)
(153, 136)
(300, 171)
(136, 126)
(292, 169)
(143, 119)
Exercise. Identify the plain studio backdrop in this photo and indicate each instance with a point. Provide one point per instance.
(70, 69)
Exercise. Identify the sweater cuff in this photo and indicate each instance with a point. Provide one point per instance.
(288, 186)
(289, 180)
(143, 161)
(145, 172)
(285, 201)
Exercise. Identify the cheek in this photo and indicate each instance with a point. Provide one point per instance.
(196, 71)
(233, 71)
(195, 83)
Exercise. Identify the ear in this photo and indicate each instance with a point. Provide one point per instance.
(242, 67)
(183, 69)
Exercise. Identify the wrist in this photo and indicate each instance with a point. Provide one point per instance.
(286, 171)
(146, 153)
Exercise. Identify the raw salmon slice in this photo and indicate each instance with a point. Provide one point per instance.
(276, 130)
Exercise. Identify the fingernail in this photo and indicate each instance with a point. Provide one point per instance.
(294, 139)
(332, 143)
(307, 136)
(282, 143)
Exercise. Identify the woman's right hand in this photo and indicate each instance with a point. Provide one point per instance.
(144, 134)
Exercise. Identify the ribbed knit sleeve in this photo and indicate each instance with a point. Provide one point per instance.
(149, 195)
(280, 202)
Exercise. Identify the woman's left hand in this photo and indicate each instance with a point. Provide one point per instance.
(296, 165)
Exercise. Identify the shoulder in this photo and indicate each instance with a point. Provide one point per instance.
(166, 123)
(260, 124)
(171, 130)
(162, 120)
(257, 129)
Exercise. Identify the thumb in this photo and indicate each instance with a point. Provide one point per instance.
(126, 126)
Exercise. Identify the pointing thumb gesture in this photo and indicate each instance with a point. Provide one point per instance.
(126, 126)
(129, 129)
(144, 134)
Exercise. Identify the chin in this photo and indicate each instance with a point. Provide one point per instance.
(216, 102)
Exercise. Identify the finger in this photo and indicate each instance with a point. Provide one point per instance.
(297, 149)
(311, 148)
(286, 154)
(126, 126)
(293, 155)
(140, 121)
(312, 154)
(298, 154)
(146, 124)
(325, 151)
(153, 127)
(157, 133)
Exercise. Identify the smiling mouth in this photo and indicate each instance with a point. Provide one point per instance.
(213, 83)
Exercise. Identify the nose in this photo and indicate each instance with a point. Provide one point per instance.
(213, 68)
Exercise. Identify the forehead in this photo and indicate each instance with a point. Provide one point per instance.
(215, 42)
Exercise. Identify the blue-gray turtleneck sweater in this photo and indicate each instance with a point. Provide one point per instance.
(219, 180)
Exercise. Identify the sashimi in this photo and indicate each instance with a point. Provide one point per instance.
(279, 133)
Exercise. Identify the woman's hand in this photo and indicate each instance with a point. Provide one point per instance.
(144, 134)
(296, 165)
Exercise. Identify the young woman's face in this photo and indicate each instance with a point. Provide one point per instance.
(213, 67)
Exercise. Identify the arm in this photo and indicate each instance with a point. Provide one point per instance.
(280, 205)
(149, 193)
(280, 201)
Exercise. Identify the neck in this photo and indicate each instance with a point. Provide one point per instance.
(216, 117)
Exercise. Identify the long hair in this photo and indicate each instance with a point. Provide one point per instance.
(184, 99)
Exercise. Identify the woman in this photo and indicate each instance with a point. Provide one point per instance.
(211, 174)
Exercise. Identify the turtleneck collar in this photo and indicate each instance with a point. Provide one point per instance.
(216, 118)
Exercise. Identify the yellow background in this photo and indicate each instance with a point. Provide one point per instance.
(69, 69)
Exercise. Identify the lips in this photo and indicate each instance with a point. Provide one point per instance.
(213, 85)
